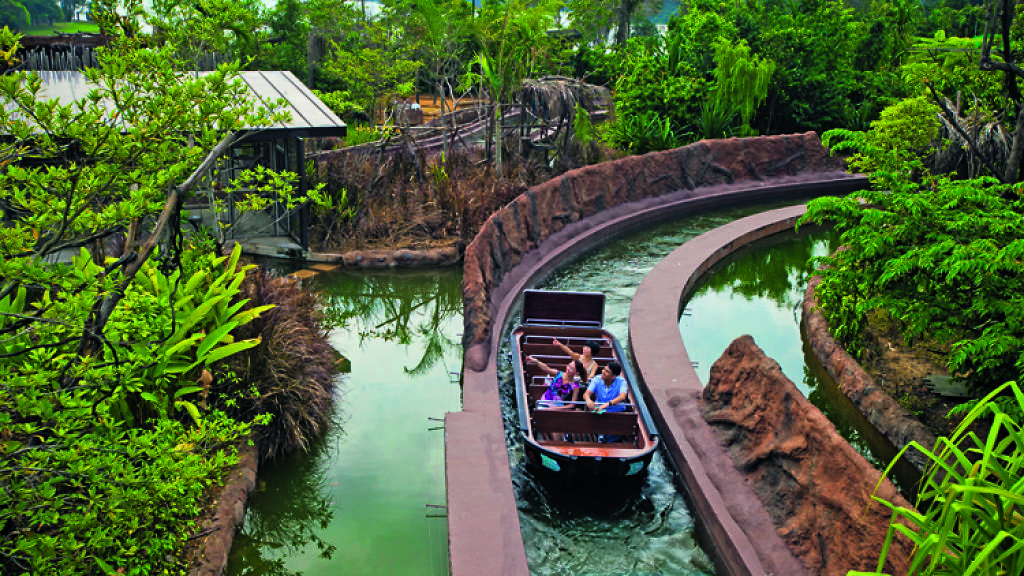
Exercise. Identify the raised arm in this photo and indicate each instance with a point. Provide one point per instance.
(547, 369)
(566, 349)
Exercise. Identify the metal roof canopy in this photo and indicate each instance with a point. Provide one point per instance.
(309, 116)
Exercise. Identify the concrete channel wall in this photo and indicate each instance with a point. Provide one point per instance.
(545, 228)
(740, 529)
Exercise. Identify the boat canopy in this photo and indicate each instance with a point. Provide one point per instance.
(582, 309)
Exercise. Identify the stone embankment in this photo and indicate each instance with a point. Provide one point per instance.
(217, 533)
(816, 487)
(883, 412)
(581, 198)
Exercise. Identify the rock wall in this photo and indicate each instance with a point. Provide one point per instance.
(894, 422)
(218, 533)
(815, 486)
(523, 224)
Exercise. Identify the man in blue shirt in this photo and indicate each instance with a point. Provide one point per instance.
(608, 390)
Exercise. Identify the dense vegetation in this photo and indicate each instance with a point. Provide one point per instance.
(127, 368)
(147, 358)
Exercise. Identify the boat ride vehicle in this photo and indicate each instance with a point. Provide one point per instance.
(563, 439)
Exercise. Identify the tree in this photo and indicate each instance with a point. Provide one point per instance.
(741, 81)
(14, 15)
(43, 11)
(120, 161)
(1001, 28)
(202, 28)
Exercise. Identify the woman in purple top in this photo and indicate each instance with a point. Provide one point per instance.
(565, 386)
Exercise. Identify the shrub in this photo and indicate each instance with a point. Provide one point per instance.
(289, 375)
(968, 514)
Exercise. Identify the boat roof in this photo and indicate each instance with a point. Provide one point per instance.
(578, 309)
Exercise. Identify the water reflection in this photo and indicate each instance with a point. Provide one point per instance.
(289, 513)
(369, 499)
(411, 306)
(759, 291)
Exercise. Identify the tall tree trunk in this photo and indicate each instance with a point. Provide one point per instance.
(1013, 162)
(625, 11)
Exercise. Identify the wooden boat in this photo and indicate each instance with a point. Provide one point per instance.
(571, 444)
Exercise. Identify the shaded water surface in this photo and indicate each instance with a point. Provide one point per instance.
(363, 502)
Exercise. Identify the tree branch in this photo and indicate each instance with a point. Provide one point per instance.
(963, 134)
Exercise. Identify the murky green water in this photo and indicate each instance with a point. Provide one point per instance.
(363, 502)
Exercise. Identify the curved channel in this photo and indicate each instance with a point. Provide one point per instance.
(658, 513)
(369, 505)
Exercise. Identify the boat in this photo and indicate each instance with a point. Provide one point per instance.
(571, 445)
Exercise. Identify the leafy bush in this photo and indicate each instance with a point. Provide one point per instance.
(642, 133)
(81, 499)
(945, 262)
(104, 461)
(968, 514)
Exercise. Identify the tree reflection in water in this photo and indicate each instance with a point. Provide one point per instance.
(770, 269)
(290, 512)
(400, 306)
(287, 520)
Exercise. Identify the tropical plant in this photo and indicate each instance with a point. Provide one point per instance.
(82, 499)
(741, 82)
(968, 518)
(642, 133)
(943, 261)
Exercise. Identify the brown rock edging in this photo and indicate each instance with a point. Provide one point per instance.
(736, 521)
(383, 258)
(816, 487)
(219, 532)
(894, 422)
(570, 202)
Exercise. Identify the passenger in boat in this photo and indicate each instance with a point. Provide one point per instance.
(590, 348)
(608, 390)
(565, 386)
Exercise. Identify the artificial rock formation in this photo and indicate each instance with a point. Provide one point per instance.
(523, 224)
(816, 487)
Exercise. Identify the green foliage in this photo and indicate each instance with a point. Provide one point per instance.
(87, 500)
(741, 82)
(200, 27)
(341, 103)
(968, 514)
(582, 127)
(658, 81)
(895, 149)
(944, 262)
(372, 68)
(107, 445)
(642, 133)
(715, 119)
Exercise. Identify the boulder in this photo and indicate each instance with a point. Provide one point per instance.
(816, 487)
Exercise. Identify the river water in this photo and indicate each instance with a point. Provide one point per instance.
(368, 499)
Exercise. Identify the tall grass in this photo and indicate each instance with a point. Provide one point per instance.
(969, 517)
(290, 374)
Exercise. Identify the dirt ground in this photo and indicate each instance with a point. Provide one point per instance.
(900, 371)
